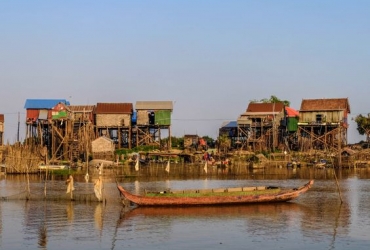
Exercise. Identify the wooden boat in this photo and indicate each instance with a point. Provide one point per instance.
(229, 196)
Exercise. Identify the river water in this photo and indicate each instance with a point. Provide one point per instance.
(316, 220)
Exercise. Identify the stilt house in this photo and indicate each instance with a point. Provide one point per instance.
(323, 123)
(46, 124)
(113, 120)
(152, 118)
(259, 127)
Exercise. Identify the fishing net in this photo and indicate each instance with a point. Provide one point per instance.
(53, 192)
(38, 196)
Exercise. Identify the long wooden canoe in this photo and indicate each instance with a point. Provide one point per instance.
(230, 196)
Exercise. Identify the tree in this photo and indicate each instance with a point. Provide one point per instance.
(224, 143)
(176, 142)
(363, 125)
(273, 99)
(210, 141)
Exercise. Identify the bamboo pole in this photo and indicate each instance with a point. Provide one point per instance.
(336, 180)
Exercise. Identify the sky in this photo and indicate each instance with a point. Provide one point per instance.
(210, 57)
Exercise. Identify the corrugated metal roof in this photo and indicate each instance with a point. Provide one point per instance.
(265, 107)
(1, 118)
(154, 105)
(114, 108)
(230, 124)
(290, 112)
(325, 104)
(43, 103)
(81, 108)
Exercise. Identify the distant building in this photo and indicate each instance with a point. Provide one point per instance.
(191, 141)
(230, 129)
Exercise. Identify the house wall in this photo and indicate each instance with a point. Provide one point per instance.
(32, 115)
(113, 120)
(80, 116)
(59, 111)
(142, 117)
(190, 140)
(292, 124)
(327, 116)
(163, 117)
(102, 145)
(265, 119)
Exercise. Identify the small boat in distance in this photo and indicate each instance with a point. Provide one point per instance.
(321, 164)
(52, 167)
(220, 196)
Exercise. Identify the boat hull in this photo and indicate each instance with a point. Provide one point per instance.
(281, 196)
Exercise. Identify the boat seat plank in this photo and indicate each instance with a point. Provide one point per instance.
(236, 189)
(191, 191)
(203, 191)
(218, 190)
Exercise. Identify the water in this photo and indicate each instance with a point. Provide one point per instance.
(316, 220)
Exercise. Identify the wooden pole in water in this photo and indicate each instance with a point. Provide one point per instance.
(337, 183)
(28, 183)
(339, 148)
(336, 180)
(46, 170)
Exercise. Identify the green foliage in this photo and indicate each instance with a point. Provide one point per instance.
(224, 142)
(63, 172)
(210, 141)
(124, 151)
(176, 142)
(273, 99)
(363, 125)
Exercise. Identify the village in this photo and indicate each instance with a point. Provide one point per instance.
(265, 133)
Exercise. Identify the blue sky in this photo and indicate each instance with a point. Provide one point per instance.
(211, 58)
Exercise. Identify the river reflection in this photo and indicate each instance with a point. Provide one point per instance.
(316, 220)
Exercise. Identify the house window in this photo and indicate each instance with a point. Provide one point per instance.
(319, 118)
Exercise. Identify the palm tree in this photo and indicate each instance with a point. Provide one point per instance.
(224, 143)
